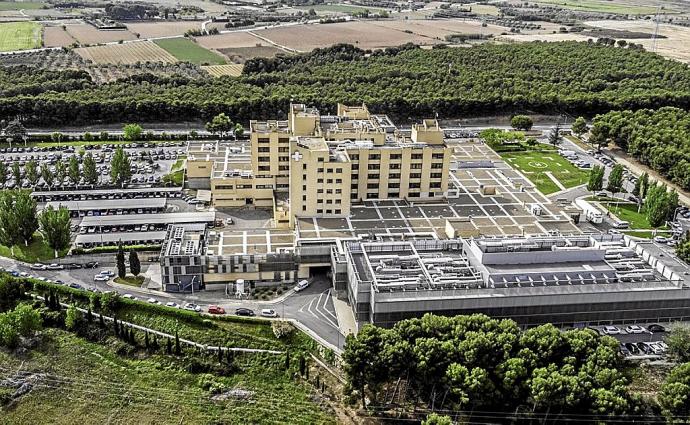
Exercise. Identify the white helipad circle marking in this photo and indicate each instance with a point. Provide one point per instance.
(537, 164)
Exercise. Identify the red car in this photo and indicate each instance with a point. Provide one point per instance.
(214, 309)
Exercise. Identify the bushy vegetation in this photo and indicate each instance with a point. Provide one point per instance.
(658, 138)
(579, 78)
(478, 363)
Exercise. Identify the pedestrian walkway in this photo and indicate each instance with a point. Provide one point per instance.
(345, 316)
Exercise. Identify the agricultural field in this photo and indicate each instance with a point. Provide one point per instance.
(242, 54)
(440, 28)
(232, 70)
(675, 45)
(56, 37)
(128, 53)
(19, 36)
(525, 38)
(339, 8)
(186, 50)
(162, 29)
(88, 34)
(365, 35)
(548, 171)
(28, 5)
(230, 40)
(604, 6)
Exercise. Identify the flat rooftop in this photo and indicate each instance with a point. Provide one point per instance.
(136, 219)
(110, 204)
(249, 241)
(269, 126)
(124, 237)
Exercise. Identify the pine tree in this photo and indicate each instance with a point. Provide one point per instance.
(116, 328)
(168, 346)
(178, 349)
(302, 365)
(134, 264)
(287, 360)
(220, 354)
(146, 341)
(89, 315)
(120, 261)
(101, 322)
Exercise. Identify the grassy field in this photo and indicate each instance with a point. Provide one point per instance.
(102, 383)
(602, 6)
(646, 234)
(131, 280)
(13, 5)
(187, 51)
(35, 252)
(19, 36)
(535, 166)
(628, 212)
(176, 175)
(342, 8)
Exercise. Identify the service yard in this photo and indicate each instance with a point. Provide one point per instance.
(19, 36)
(548, 171)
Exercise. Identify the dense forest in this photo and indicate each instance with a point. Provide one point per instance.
(578, 78)
(658, 138)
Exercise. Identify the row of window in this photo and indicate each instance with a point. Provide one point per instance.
(281, 140)
(266, 149)
(394, 156)
(394, 176)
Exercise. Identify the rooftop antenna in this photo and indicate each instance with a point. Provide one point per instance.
(656, 28)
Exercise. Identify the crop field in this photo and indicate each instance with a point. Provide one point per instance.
(365, 35)
(547, 170)
(340, 8)
(603, 6)
(88, 34)
(12, 5)
(525, 38)
(439, 28)
(162, 29)
(675, 45)
(187, 51)
(56, 37)
(241, 54)
(232, 70)
(230, 40)
(128, 53)
(19, 36)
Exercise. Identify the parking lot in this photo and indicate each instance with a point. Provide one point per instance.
(149, 162)
(638, 341)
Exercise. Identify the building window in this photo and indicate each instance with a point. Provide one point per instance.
(394, 185)
(413, 194)
(319, 211)
(320, 159)
(263, 140)
(415, 175)
(354, 157)
(416, 166)
(319, 180)
(394, 166)
(283, 168)
(338, 201)
(394, 176)
(353, 195)
(353, 186)
(338, 191)
(304, 207)
(329, 190)
(328, 211)
(417, 156)
(415, 185)
(329, 180)
(435, 175)
(304, 197)
(319, 170)
(436, 185)
(304, 187)
(264, 168)
(264, 149)
(338, 170)
(264, 159)
(338, 180)
(436, 156)
(396, 156)
(329, 170)
(372, 195)
(373, 176)
(393, 194)
(283, 158)
(374, 166)
(374, 157)
(355, 176)
(283, 149)
(319, 190)
(372, 186)
(283, 140)
(319, 201)
(337, 211)
(329, 201)
(437, 165)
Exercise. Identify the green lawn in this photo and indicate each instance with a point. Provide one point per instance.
(131, 281)
(535, 164)
(603, 6)
(19, 36)
(99, 383)
(646, 234)
(628, 212)
(188, 51)
(176, 175)
(15, 5)
(37, 251)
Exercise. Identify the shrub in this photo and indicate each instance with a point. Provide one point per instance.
(72, 318)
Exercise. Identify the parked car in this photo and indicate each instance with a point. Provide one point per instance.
(101, 278)
(654, 328)
(660, 239)
(172, 304)
(75, 286)
(267, 312)
(54, 266)
(244, 312)
(153, 301)
(635, 329)
(602, 194)
(91, 265)
(108, 273)
(632, 348)
(192, 307)
(38, 266)
(214, 309)
(129, 296)
(302, 285)
(624, 350)
(644, 348)
(611, 330)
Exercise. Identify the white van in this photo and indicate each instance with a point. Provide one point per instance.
(301, 285)
(622, 225)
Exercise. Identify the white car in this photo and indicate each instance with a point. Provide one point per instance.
(660, 239)
(38, 266)
(152, 301)
(635, 329)
(267, 312)
(101, 278)
(302, 285)
(192, 307)
(108, 273)
(611, 330)
(172, 304)
(55, 266)
(129, 296)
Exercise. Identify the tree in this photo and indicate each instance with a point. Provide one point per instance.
(25, 211)
(16, 173)
(10, 231)
(238, 131)
(644, 185)
(47, 175)
(679, 342)
(73, 170)
(521, 122)
(615, 182)
(683, 249)
(56, 137)
(134, 264)
(656, 205)
(60, 172)
(31, 171)
(674, 397)
(89, 171)
(596, 179)
(132, 132)
(220, 124)
(120, 167)
(579, 126)
(72, 318)
(120, 261)
(363, 365)
(554, 136)
(55, 227)
(3, 174)
(598, 136)
(15, 130)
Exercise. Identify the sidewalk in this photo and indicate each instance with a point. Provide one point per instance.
(345, 316)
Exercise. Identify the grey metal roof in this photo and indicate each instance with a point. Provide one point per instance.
(110, 204)
(106, 191)
(125, 237)
(137, 219)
